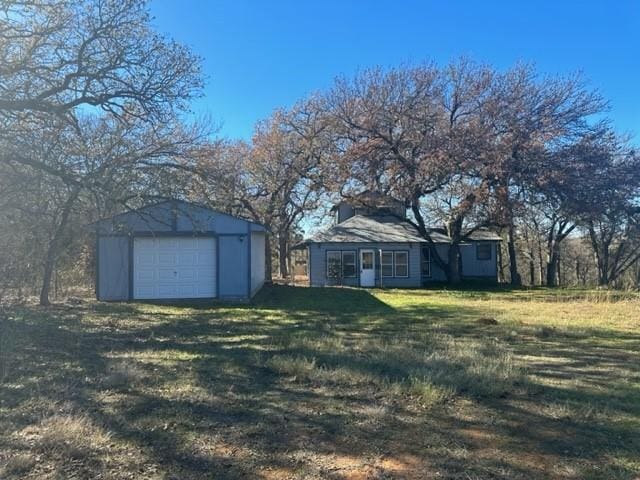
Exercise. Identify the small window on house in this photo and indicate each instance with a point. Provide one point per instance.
(386, 264)
(401, 263)
(426, 262)
(483, 251)
(334, 264)
(348, 264)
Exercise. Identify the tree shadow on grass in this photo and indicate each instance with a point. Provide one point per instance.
(210, 400)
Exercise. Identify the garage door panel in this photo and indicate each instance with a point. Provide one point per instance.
(187, 258)
(167, 259)
(205, 257)
(187, 274)
(168, 243)
(166, 275)
(167, 291)
(203, 292)
(205, 274)
(145, 274)
(145, 259)
(187, 291)
(174, 268)
(145, 292)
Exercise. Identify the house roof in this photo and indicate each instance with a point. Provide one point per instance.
(385, 229)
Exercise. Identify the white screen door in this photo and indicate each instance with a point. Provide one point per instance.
(367, 268)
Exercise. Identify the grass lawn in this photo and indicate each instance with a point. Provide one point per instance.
(326, 383)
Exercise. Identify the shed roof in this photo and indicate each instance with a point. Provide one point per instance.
(161, 215)
(386, 229)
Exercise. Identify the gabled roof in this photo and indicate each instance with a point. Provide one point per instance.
(173, 216)
(385, 229)
(369, 229)
(180, 205)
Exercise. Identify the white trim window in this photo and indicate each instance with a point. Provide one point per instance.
(349, 264)
(341, 264)
(386, 264)
(401, 264)
(334, 264)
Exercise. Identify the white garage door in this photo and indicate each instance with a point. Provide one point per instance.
(174, 267)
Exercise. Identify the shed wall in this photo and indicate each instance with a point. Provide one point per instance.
(257, 261)
(239, 273)
(113, 268)
(233, 270)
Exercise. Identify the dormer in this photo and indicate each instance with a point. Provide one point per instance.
(369, 203)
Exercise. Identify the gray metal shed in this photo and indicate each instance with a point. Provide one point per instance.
(178, 250)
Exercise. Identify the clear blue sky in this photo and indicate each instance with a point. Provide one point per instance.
(260, 55)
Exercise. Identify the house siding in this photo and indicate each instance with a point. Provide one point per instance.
(474, 268)
(471, 266)
(317, 255)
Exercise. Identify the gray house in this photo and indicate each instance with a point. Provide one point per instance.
(178, 250)
(373, 244)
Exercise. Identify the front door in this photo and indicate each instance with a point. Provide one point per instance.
(367, 268)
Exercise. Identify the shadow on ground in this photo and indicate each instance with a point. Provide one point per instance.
(312, 383)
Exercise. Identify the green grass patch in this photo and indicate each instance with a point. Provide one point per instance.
(326, 383)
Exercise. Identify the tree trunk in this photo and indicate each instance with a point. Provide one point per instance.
(532, 270)
(561, 279)
(282, 255)
(421, 226)
(603, 272)
(501, 274)
(516, 280)
(541, 263)
(454, 265)
(552, 267)
(601, 254)
(268, 273)
(54, 247)
(49, 264)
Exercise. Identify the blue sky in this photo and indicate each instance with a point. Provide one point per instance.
(260, 55)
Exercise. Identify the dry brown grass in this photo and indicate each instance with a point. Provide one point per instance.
(327, 383)
(68, 436)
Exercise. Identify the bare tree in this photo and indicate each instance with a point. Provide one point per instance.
(61, 64)
(530, 114)
(273, 180)
(416, 133)
(99, 161)
(56, 56)
(461, 144)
